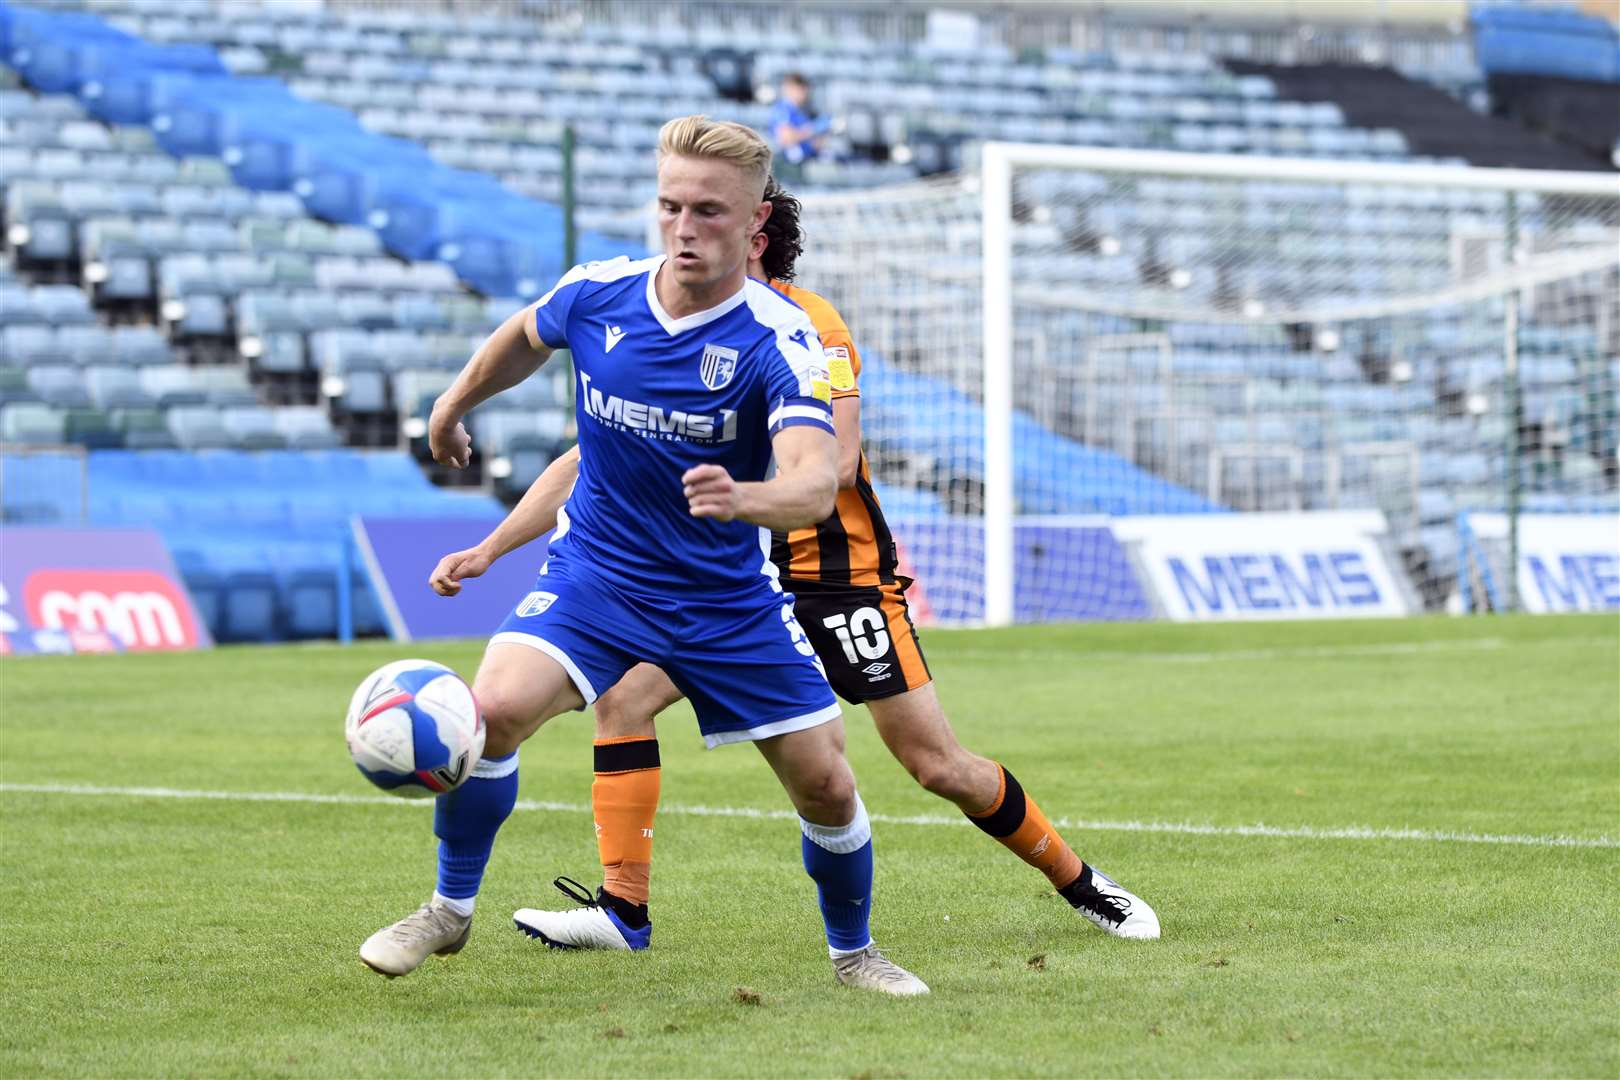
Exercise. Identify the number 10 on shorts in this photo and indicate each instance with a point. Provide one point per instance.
(862, 634)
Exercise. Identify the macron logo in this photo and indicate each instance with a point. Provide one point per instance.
(614, 336)
(801, 336)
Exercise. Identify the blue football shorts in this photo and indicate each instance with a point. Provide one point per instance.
(745, 664)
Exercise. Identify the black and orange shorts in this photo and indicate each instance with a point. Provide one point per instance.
(864, 636)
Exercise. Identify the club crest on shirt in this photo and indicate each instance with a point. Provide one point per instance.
(719, 364)
(535, 603)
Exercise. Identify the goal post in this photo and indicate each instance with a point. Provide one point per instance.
(1592, 256)
(1068, 342)
(1000, 506)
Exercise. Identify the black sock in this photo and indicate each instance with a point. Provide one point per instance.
(632, 915)
(1080, 885)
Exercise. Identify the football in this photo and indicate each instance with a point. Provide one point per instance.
(413, 729)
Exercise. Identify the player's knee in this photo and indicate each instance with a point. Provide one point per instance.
(506, 718)
(937, 771)
(617, 718)
(828, 798)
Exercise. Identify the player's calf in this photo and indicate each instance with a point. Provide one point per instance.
(914, 727)
(954, 774)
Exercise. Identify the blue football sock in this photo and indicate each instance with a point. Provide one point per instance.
(839, 860)
(466, 821)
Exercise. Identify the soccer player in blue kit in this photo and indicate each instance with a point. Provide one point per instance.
(691, 378)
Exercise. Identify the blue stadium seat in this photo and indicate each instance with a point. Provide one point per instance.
(396, 473)
(85, 345)
(40, 224)
(140, 346)
(17, 307)
(420, 313)
(29, 346)
(116, 83)
(31, 422)
(365, 311)
(250, 591)
(252, 427)
(63, 305)
(46, 45)
(197, 119)
(41, 487)
(143, 428)
(206, 586)
(14, 384)
(171, 385)
(115, 387)
(339, 179)
(415, 389)
(59, 385)
(198, 427)
(338, 470)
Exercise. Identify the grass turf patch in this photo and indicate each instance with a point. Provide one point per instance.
(183, 936)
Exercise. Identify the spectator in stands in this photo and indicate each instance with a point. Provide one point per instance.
(795, 129)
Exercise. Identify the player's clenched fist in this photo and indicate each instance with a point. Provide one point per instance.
(711, 492)
(448, 575)
(450, 445)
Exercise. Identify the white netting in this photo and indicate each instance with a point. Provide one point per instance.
(1188, 342)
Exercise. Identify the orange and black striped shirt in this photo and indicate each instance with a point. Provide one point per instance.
(854, 545)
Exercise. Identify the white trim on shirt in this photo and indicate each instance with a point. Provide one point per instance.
(672, 325)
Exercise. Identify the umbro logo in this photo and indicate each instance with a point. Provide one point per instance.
(874, 670)
(801, 336)
(614, 336)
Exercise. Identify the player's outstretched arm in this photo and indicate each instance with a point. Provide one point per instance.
(802, 492)
(507, 357)
(533, 516)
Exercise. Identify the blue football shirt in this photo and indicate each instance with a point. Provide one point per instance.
(658, 395)
(785, 112)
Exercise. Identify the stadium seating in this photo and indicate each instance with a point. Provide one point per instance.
(259, 536)
(361, 317)
(1053, 475)
(228, 275)
(1546, 40)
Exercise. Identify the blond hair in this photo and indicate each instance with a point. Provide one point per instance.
(722, 140)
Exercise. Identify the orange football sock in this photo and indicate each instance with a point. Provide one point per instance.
(624, 800)
(1015, 820)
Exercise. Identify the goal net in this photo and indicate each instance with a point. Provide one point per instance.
(1070, 339)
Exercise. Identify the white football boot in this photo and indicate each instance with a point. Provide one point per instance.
(592, 925)
(869, 969)
(431, 930)
(1120, 912)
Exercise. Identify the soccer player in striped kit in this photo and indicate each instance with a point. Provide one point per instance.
(850, 598)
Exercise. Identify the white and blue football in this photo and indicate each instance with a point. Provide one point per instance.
(414, 730)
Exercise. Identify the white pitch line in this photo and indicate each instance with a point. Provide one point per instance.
(1303, 652)
(1298, 832)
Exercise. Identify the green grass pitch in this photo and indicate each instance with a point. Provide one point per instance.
(147, 934)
